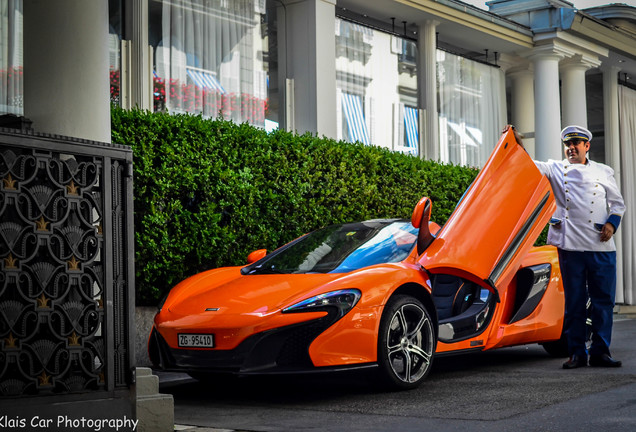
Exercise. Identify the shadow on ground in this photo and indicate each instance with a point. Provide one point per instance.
(479, 386)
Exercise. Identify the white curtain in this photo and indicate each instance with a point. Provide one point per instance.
(209, 58)
(11, 80)
(471, 109)
(375, 79)
(627, 119)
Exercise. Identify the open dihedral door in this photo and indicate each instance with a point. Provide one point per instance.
(496, 222)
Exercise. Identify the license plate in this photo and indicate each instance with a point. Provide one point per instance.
(196, 340)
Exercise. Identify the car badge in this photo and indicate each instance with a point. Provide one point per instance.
(211, 309)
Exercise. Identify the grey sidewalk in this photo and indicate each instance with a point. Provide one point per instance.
(519, 388)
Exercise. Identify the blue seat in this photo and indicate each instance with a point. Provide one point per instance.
(452, 295)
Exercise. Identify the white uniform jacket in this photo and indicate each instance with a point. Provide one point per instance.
(587, 197)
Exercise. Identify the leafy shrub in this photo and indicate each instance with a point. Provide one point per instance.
(208, 192)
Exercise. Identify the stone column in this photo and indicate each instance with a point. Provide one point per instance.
(309, 59)
(574, 103)
(427, 90)
(66, 82)
(547, 103)
(138, 72)
(522, 105)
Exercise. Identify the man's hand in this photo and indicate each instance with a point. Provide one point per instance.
(607, 232)
(517, 135)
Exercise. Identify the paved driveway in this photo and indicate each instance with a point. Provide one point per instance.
(512, 389)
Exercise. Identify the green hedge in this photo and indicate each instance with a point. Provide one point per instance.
(208, 192)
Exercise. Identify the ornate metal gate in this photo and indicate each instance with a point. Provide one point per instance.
(66, 253)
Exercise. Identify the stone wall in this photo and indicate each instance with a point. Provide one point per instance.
(144, 316)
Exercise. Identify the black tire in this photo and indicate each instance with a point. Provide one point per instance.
(406, 343)
(559, 348)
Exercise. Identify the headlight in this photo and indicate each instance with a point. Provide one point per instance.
(342, 300)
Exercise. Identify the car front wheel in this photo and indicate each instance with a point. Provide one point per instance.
(406, 343)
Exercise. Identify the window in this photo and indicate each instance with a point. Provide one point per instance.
(211, 58)
(377, 87)
(11, 63)
(471, 109)
(410, 125)
(115, 18)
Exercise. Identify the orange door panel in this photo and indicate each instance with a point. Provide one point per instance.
(496, 222)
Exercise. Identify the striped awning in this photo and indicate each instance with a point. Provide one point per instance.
(205, 80)
(411, 128)
(352, 107)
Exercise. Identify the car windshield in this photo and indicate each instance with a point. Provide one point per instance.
(341, 248)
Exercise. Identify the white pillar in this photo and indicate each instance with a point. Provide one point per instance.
(613, 156)
(574, 102)
(309, 58)
(547, 103)
(66, 82)
(427, 89)
(140, 60)
(522, 105)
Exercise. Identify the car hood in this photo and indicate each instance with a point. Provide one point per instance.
(496, 222)
(227, 291)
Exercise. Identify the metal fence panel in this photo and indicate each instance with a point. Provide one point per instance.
(66, 254)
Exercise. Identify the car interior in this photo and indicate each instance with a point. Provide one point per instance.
(463, 307)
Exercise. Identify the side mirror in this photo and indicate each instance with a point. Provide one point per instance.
(419, 219)
(256, 255)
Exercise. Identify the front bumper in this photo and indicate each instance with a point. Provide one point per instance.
(284, 349)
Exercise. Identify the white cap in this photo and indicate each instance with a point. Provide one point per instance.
(575, 132)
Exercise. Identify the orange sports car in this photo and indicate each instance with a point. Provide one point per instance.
(386, 294)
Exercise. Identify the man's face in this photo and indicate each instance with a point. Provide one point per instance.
(576, 149)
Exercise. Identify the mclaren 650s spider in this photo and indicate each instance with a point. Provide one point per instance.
(386, 294)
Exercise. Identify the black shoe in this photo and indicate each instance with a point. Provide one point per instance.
(604, 360)
(575, 361)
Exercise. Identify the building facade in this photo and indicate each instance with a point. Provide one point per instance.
(433, 78)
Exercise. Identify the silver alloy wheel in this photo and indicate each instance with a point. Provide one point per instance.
(409, 343)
